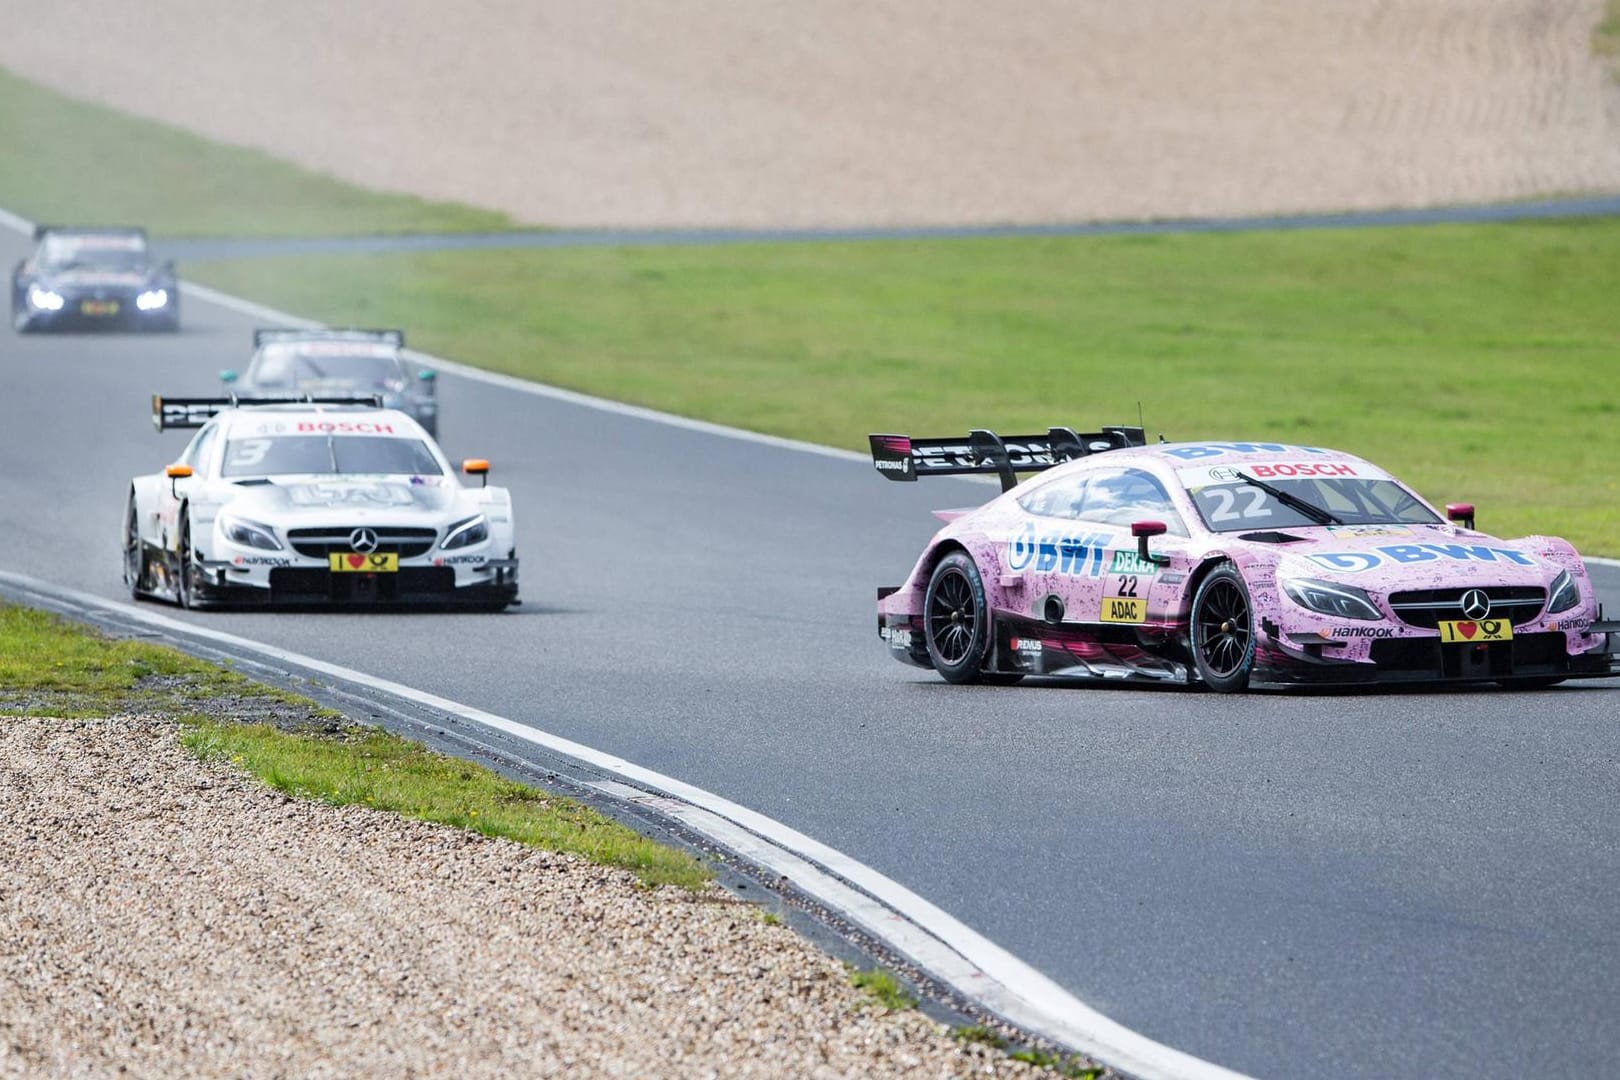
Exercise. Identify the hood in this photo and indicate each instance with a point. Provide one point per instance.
(1402, 556)
(348, 499)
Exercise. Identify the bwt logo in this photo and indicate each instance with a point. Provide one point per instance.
(1209, 450)
(1353, 562)
(1055, 553)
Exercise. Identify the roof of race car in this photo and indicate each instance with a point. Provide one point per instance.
(1184, 454)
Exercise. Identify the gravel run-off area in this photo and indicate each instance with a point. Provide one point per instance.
(868, 112)
(165, 917)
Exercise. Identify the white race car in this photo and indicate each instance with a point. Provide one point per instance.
(314, 503)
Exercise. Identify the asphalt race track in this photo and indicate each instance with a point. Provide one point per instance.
(1417, 884)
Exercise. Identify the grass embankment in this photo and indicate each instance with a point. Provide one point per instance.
(1606, 37)
(1475, 361)
(49, 667)
(71, 161)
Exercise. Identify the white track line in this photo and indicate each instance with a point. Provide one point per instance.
(969, 963)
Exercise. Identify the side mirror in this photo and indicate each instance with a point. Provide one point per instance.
(176, 473)
(476, 467)
(1144, 531)
(227, 376)
(1461, 514)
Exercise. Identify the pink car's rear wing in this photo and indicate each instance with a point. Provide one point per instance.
(901, 457)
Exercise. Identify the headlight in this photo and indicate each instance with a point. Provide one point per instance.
(152, 299)
(1563, 595)
(1345, 601)
(249, 533)
(474, 530)
(44, 299)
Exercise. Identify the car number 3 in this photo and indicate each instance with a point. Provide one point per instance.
(249, 451)
(1227, 498)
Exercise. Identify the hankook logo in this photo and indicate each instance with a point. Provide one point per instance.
(363, 540)
(1475, 604)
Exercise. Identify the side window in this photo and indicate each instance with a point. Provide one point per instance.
(1119, 497)
(1060, 498)
(197, 452)
(272, 369)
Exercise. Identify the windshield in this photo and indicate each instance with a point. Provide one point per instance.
(1233, 507)
(124, 252)
(286, 455)
(283, 368)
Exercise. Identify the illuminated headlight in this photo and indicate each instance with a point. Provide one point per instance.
(44, 299)
(249, 533)
(1344, 601)
(474, 530)
(1563, 595)
(152, 299)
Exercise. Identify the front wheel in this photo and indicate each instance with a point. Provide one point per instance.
(956, 619)
(134, 553)
(186, 587)
(1223, 631)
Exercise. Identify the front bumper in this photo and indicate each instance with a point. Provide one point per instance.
(106, 310)
(1529, 656)
(277, 581)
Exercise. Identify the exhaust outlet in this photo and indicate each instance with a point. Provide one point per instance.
(1053, 611)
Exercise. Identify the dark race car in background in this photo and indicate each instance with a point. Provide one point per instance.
(1234, 565)
(93, 278)
(332, 363)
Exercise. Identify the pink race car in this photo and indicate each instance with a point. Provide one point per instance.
(1236, 565)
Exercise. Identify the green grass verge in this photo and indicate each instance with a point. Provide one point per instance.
(1606, 37)
(72, 161)
(884, 988)
(49, 667)
(1475, 361)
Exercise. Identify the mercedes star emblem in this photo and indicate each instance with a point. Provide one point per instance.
(1475, 604)
(365, 542)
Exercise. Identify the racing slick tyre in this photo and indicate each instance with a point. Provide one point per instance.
(134, 554)
(185, 589)
(1222, 630)
(956, 619)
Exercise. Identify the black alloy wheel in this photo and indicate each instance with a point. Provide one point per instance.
(956, 619)
(1222, 631)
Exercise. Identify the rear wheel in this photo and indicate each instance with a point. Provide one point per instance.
(956, 619)
(1222, 631)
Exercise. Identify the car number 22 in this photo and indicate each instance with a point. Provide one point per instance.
(1228, 497)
